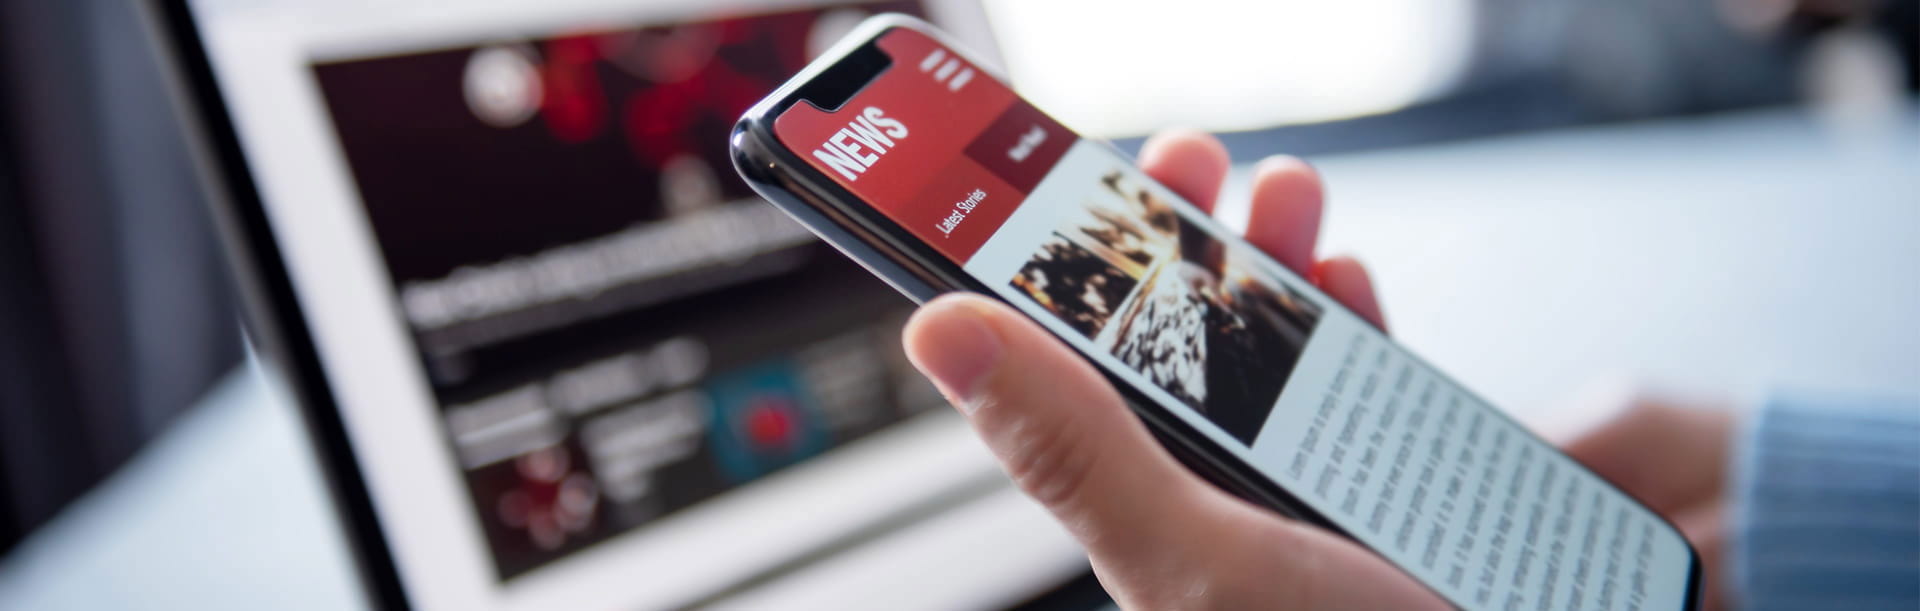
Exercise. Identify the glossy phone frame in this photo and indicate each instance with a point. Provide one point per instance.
(859, 230)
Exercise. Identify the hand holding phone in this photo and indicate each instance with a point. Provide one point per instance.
(1159, 537)
(915, 160)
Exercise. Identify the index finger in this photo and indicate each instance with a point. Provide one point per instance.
(1192, 163)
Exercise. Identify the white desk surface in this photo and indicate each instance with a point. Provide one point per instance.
(1730, 254)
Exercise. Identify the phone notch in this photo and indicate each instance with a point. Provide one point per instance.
(846, 78)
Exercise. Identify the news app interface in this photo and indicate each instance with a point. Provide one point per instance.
(1244, 350)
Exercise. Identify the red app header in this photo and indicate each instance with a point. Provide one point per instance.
(933, 142)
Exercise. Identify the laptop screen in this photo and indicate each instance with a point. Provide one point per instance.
(569, 347)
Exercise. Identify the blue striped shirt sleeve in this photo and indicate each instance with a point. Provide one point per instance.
(1826, 506)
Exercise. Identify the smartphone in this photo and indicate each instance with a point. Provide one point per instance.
(918, 161)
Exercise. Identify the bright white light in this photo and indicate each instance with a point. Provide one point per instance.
(1127, 67)
(502, 86)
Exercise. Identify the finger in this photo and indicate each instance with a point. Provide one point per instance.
(1056, 425)
(1668, 457)
(1192, 163)
(1346, 281)
(1284, 218)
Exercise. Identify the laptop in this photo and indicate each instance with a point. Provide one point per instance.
(552, 353)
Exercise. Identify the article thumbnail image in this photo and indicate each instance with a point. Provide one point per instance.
(1193, 314)
(1074, 284)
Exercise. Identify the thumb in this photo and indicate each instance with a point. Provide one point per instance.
(1055, 424)
(1157, 535)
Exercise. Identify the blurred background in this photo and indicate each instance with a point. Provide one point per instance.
(1717, 195)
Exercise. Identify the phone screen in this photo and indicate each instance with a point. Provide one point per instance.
(1223, 337)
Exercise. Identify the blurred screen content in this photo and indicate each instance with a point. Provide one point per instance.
(588, 284)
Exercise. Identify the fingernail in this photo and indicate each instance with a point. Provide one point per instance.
(951, 342)
(1275, 163)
